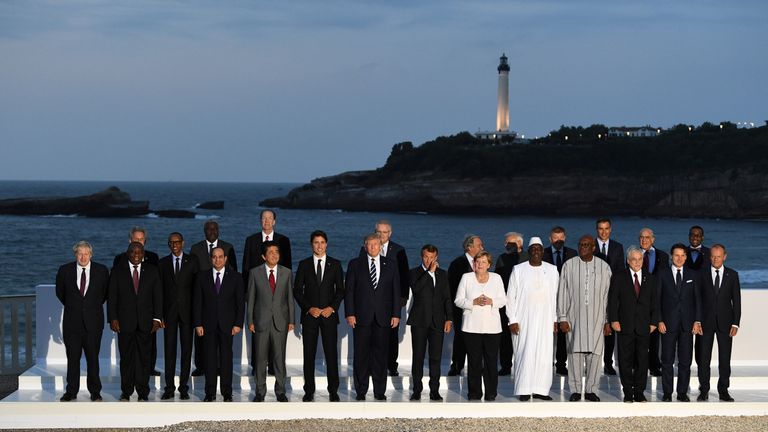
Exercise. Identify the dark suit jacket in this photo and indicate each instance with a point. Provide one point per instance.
(330, 292)
(135, 311)
(662, 261)
(200, 250)
(178, 288)
(568, 253)
(149, 257)
(614, 257)
(220, 311)
(679, 307)
(456, 270)
(720, 309)
(635, 314)
(702, 260)
(432, 304)
(252, 252)
(397, 253)
(82, 311)
(367, 305)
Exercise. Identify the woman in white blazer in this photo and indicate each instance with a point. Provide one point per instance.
(481, 295)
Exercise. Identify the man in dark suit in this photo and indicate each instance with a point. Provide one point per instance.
(634, 313)
(558, 253)
(139, 234)
(217, 312)
(464, 263)
(430, 317)
(319, 289)
(134, 311)
(513, 255)
(178, 272)
(270, 316)
(653, 261)
(720, 317)
(82, 287)
(680, 305)
(697, 255)
(612, 252)
(202, 250)
(372, 307)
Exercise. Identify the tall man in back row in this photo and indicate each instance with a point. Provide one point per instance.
(654, 260)
(612, 252)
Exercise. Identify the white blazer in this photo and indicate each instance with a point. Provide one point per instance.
(480, 319)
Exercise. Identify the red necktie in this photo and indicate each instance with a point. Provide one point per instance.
(267, 239)
(135, 279)
(82, 283)
(637, 287)
(272, 283)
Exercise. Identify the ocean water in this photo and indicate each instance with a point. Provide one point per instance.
(34, 247)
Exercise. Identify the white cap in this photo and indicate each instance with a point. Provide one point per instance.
(535, 240)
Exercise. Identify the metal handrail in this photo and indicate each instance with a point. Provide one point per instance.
(11, 361)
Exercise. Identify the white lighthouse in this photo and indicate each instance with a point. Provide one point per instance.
(502, 108)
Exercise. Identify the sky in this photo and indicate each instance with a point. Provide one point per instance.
(288, 91)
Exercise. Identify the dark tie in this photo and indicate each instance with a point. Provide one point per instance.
(177, 266)
(637, 287)
(266, 239)
(210, 248)
(717, 280)
(679, 279)
(272, 283)
(217, 283)
(694, 254)
(319, 271)
(135, 279)
(374, 281)
(604, 250)
(646, 262)
(559, 261)
(82, 283)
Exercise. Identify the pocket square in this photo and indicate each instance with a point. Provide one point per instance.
(689, 281)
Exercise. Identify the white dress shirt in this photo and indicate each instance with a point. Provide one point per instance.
(87, 276)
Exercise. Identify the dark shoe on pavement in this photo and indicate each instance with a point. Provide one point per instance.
(542, 397)
(309, 397)
(628, 399)
(334, 397)
(416, 396)
(66, 397)
(184, 395)
(144, 398)
(524, 398)
(726, 397)
(380, 397)
(96, 397)
(393, 372)
(124, 397)
(505, 372)
(227, 398)
(609, 370)
(575, 397)
(360, 397)
(167, 395)
(258, 398)
(490, 398)
(683, 398)
(209, 398)
(640, 398)
(435, 396)
(282, 398)
(591, 397)
(703, 397)
(667, 397)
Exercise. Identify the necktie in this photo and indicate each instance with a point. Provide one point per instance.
(177, 266)
(135, 279)
(694, 254)
(679, 279)
(637, 287)
(374, 281)
(717, 280)
(646, 262)
(319, 271)
(272, 283)
(82, 283)
(559, 261)
(266, 239)
(604, 250)
(217, 283)
(210, 248)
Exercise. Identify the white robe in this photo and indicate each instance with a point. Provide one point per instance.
(532, 303)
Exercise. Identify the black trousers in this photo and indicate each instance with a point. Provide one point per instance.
(394, 348)
(482, 357)
(76, 343)
(561, 353)
(420, 337)
(174, 331)
(459, 353)
(724, 348)
(199, 353)
(505, 344)
(135, 354)
(153, 352)
(610, 344)
(310, 331)
(654, 342)
(218, 344)
(370, 361)
(633, 362)
(676, 343)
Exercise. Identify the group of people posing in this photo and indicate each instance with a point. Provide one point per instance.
(536, 305)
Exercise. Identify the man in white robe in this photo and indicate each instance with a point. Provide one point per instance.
(582, 301)
(531, 309)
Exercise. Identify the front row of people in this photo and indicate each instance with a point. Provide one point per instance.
(584, 300)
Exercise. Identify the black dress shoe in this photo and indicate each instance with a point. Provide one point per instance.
(561, 370)
(167, 395)
(609, 370)
(416, 396)
(667, 397)
(490, 398)
(453, 371)
(282, 398)
(524, 398)
(227, 398)
(655, 372)
(575, 397)
(360, 397)
(393, 372)
(542, 397)
(155, 372)
(683, 398)
(209, 398)
(96, 397)
(66, 397)
(143, 398)
(591, 397)
(380, 397)
(640, 398)
(124, 397)
(474, 397)
(184, 395)
(258, 398)
(628, 399)
(725, 397)
(309, 397)
(435, 396)
(703, 397)
(334, 397)
(198, 372)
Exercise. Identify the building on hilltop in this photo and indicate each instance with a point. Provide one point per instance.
(641, 131)
(502, 132)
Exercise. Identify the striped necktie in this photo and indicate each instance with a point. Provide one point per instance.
(374, 280)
